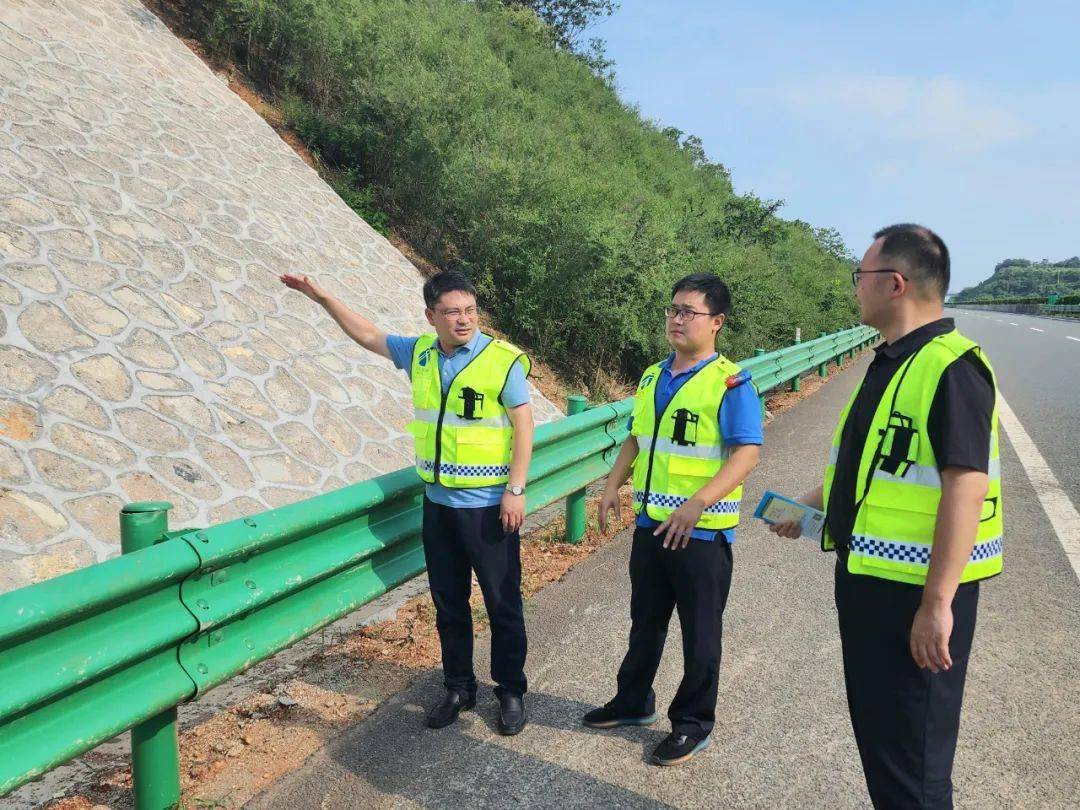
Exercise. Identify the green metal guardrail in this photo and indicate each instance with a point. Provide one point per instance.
(1062, 310)
(120, 644)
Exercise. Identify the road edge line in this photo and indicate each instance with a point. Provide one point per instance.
(1057, 505)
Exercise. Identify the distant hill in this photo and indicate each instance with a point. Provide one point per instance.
(1018, 278)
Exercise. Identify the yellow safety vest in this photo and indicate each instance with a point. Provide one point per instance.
(900, 482)
(680, 449)
(463, 438)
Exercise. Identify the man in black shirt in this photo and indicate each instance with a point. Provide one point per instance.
(906, 609)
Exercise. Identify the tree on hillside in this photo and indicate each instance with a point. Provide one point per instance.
(570, 18)
(750, 219)
(1012, 263)
(833, 243)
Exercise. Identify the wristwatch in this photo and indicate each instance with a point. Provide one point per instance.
(514, 489)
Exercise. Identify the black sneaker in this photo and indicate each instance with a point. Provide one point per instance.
(606, 717)
(678, 748)
(452, 704)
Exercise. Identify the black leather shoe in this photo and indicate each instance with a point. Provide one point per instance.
(606, 717)
(678, 748)
(511, 714)
(452, 704)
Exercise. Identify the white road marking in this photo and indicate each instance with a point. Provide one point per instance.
(1013, 324)
(1055, 502)
(1033, 329)
(1070, 337)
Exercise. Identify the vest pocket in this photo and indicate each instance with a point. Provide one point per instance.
(681, 466)
(899, 521)
(482, 436)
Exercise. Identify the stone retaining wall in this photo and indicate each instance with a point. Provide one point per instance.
(147, 348)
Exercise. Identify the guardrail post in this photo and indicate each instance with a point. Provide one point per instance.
(761, 399)
(823, 369)
(155, 755)
(575, 501)
(795, 383)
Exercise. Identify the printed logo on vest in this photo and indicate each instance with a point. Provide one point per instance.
(685, 423)
(472, 398)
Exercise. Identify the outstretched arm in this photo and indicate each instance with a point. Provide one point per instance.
(355, 325)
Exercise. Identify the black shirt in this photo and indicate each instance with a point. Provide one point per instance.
(958, 426)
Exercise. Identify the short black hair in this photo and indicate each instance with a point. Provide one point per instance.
(437, 286)
(921, 250)
(716, 292)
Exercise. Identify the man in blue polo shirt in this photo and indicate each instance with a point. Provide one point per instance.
(695, 437)
(469, 523)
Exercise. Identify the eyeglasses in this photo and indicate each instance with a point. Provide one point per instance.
(686, 314)
(454, 314)
(856, 273)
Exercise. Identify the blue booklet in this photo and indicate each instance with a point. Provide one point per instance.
(776, 508)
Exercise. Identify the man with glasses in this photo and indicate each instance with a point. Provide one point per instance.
(695, 437)
(473, 432)
(912, 495)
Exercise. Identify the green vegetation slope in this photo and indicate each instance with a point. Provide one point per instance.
(490, 147)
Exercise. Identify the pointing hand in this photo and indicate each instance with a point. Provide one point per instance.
(305, 284)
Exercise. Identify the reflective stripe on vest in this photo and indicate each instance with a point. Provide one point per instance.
(431, 416)
(899, 483)
(681, 449)
(463, 438)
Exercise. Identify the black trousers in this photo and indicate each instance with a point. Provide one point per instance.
(456, 543)
(696, 581)
(905, 719)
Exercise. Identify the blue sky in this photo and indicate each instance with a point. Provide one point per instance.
(962, 116)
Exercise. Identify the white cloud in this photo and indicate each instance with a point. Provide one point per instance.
(942, 112)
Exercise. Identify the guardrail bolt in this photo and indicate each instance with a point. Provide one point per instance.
(155, 758)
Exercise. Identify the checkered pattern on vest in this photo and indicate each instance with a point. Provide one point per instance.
(916, 552)
(465, 470)
(675, 501)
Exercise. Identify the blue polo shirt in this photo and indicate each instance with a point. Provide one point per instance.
(740, 423)
(514, 394)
